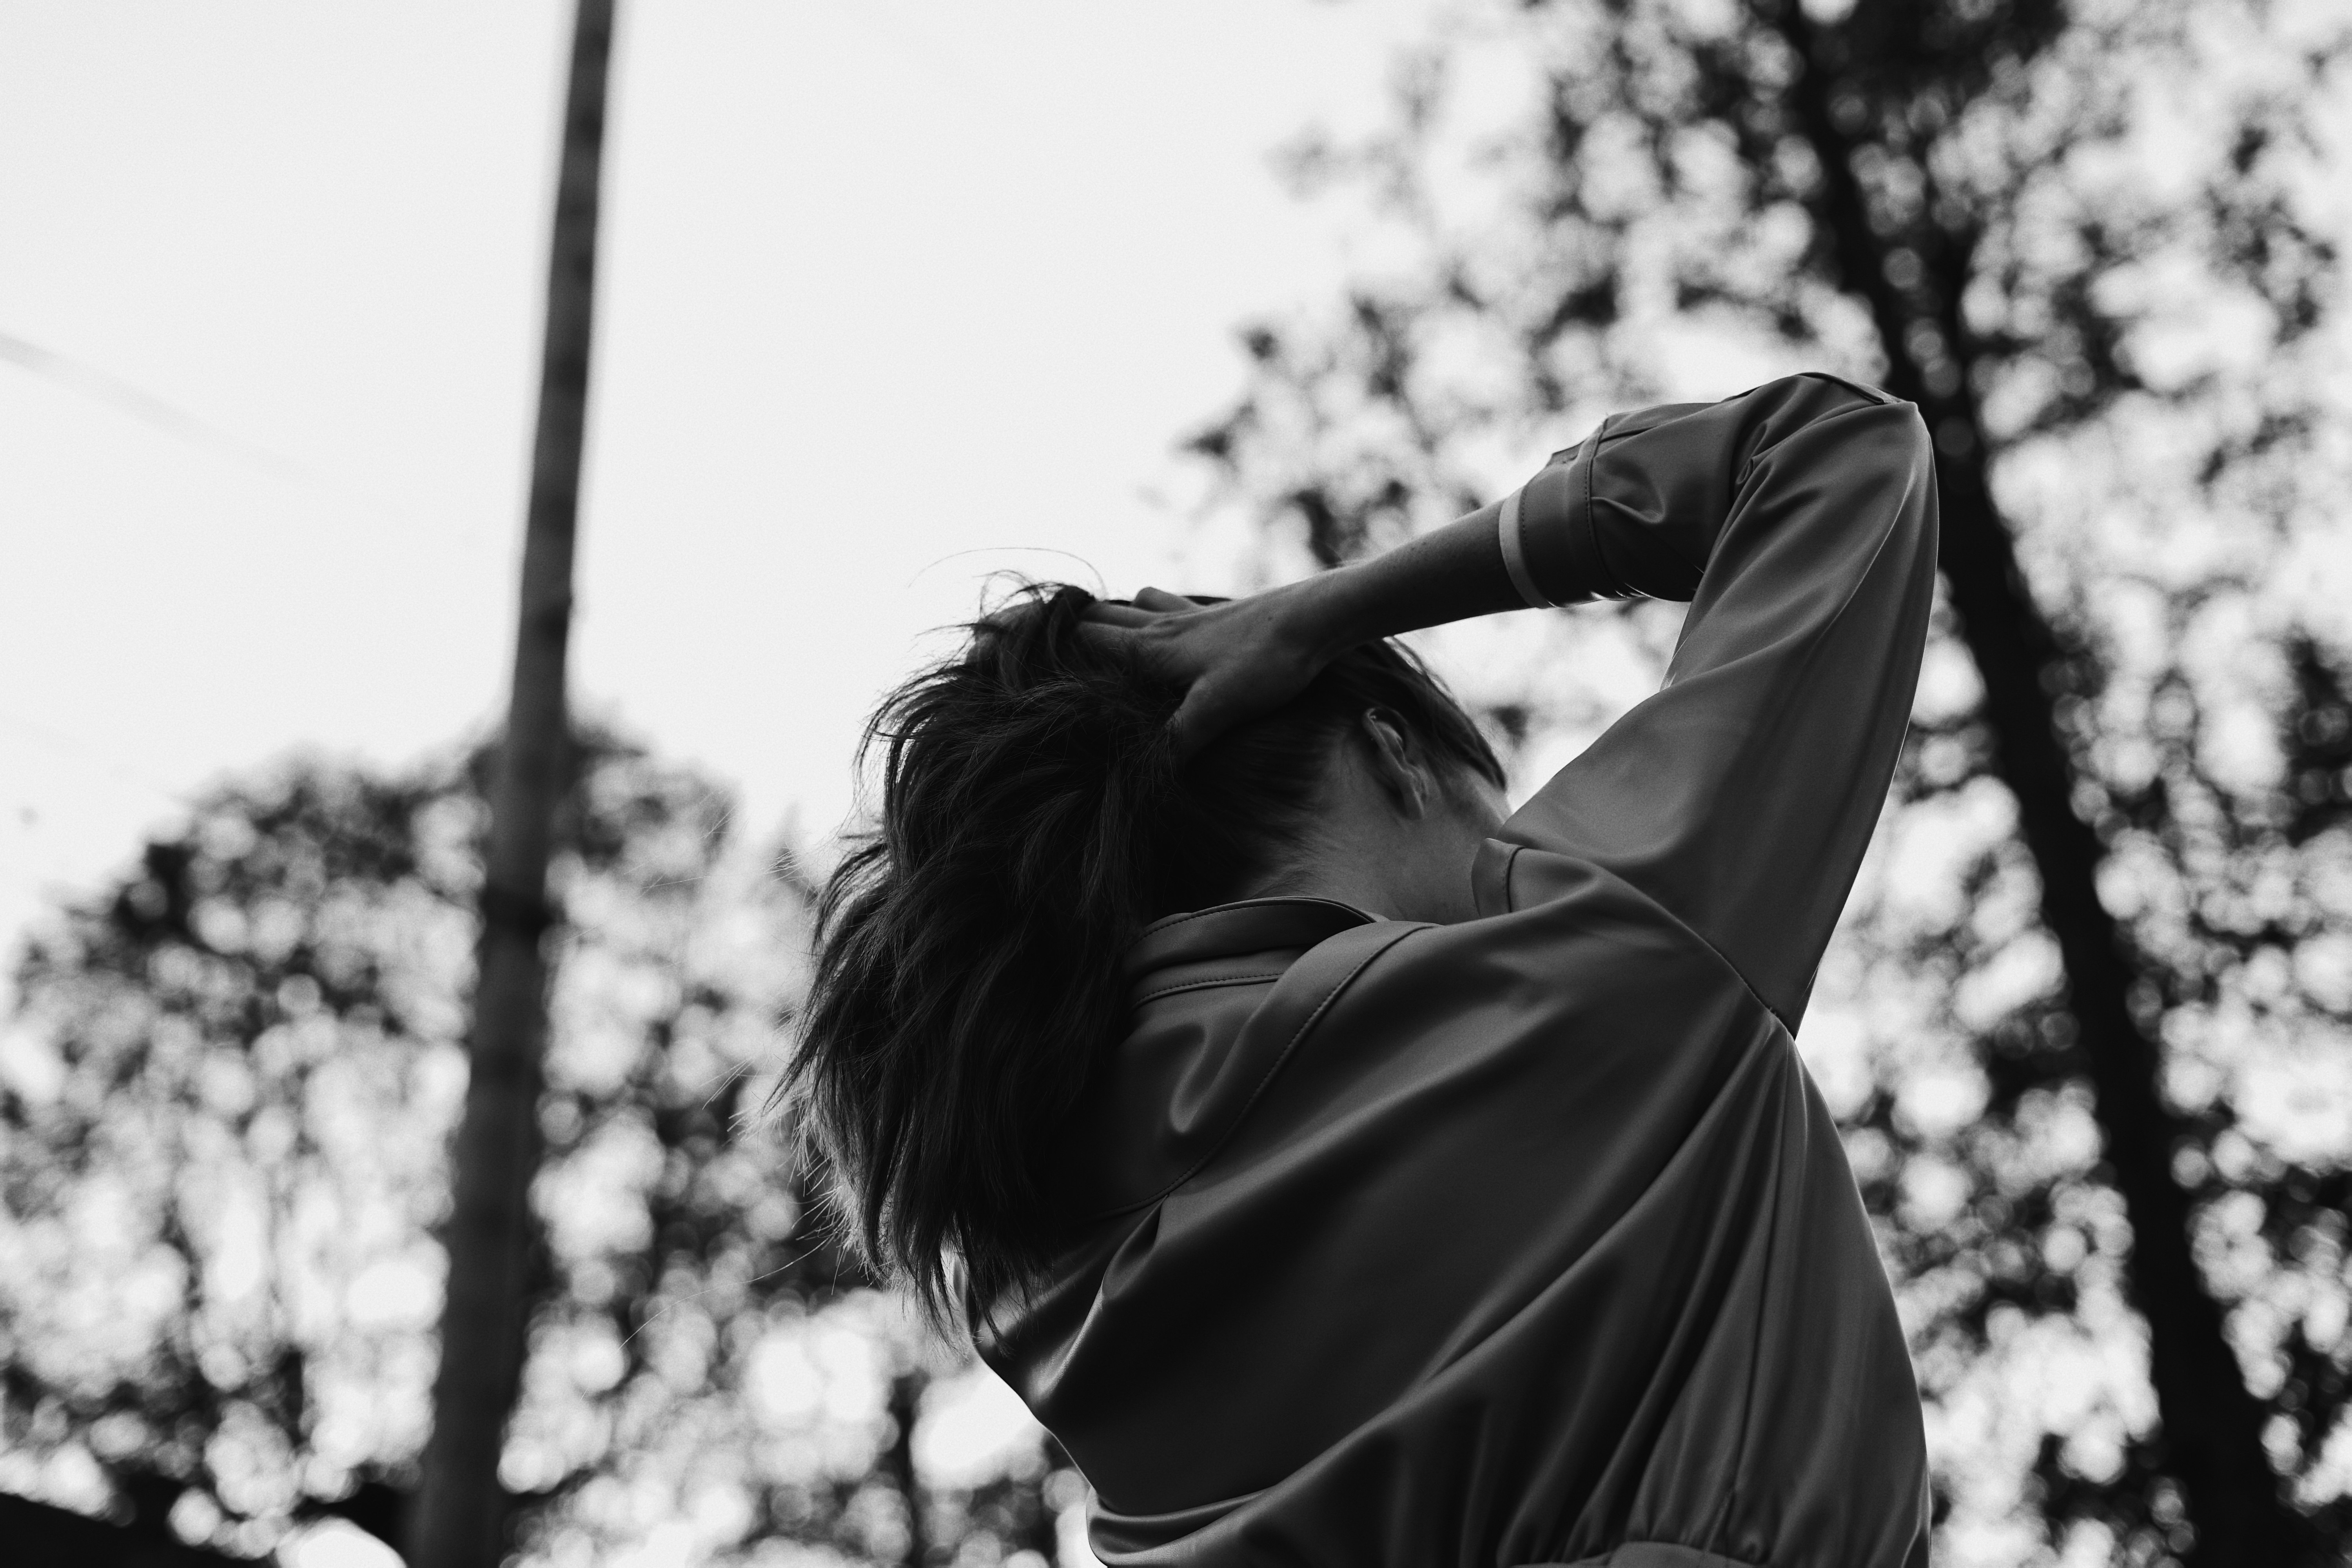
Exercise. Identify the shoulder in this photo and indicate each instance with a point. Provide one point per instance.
(1561, 943)
(1563, 1014)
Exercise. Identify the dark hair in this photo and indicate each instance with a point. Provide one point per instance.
(1033, 820)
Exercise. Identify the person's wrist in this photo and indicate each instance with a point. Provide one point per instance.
(1327, 613)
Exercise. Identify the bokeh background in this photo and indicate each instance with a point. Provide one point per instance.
(898, 295)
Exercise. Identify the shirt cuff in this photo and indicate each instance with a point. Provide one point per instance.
(1514, 553)
(1558, 547)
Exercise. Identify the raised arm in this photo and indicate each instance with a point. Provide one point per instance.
(1800, 522)
(1799, 519)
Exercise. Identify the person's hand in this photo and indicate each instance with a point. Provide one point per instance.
(1236, 659)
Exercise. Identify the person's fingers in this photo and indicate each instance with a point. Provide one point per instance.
(1162, 600)
(1184, 734)
(1199, 718)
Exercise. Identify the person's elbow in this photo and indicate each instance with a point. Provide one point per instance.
(1909, 447)
(1907, 453)
(1867, 427)
(1896, 483)
(1883, 451)
(1875, 454)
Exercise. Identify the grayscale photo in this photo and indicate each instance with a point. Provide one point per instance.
(1240, 783)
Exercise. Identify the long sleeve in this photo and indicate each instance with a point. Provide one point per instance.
(1799, 519)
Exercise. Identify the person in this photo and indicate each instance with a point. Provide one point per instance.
(1348, 1169)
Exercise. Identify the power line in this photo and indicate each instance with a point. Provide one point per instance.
(137, 402)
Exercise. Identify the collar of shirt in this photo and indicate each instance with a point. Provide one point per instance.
(1216, 1000)
(1232, 932)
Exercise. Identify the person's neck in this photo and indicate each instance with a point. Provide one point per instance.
(1397, 849)
(1333, 879)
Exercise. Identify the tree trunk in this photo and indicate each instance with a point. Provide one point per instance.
(460, 1508)
(2212, 1424)
(41, 1535)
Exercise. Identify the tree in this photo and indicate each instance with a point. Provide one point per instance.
(224, 1103)
(460, 1518)
(40, 1536)
(1988, 206)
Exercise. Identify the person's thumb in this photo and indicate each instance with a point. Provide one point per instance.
(1196, 718)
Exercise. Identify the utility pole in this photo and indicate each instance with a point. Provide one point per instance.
(460, 1518)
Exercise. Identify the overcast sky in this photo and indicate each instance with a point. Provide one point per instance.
(882, 282)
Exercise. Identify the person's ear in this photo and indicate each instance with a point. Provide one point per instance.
(1402, 774)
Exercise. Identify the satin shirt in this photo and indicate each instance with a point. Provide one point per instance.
(1528, 1240)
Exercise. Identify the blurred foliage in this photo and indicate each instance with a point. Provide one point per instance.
(226, 1101)
(1974, 1136)
(2097, 243)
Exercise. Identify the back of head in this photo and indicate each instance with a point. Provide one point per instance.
(1033, 819)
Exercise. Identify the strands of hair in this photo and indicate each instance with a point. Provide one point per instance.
(1033, 819)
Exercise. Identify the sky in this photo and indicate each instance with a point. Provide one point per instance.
(894, 295)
